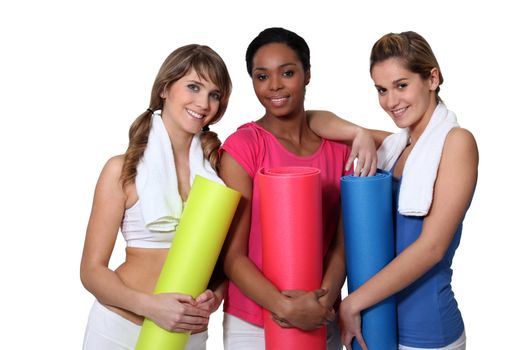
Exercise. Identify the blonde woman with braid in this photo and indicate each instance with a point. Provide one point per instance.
(170, 140)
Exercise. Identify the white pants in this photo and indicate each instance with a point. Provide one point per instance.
(241, 335)
(459, 344)
(107, 330)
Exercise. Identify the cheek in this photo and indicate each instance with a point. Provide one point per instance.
(258, 87)
(215, 106)
(383, 102)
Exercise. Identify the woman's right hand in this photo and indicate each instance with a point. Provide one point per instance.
(350, 324)
(176, 312)
(364, 149)
(304, 311)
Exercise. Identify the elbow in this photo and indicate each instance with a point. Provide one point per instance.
(84, 278)
(434, 254)
(86, 274)
(233, 260)
(229, 262)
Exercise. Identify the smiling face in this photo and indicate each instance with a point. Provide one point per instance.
(190, 103)
(403, 94)
(279, 79)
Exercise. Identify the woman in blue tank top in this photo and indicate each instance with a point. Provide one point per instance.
(407, 77)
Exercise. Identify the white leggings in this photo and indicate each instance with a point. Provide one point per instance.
(241, 335)
(107, 330)
(459, 344)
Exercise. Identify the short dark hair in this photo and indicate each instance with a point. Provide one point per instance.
(283, 36)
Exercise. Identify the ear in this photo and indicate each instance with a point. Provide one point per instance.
(433, 79)
(164, 92)
(307, 78)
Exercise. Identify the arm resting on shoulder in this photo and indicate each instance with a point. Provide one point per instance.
(363, 142)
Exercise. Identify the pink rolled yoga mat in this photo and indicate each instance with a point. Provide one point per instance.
(292, 241)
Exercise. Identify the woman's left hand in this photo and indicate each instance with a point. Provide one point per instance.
(364, 149)
(306, 312)
(208, 301)
(350, 325)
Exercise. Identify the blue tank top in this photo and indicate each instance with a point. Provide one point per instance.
(428, 314)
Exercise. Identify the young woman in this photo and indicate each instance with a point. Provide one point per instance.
(169, 144)
(434, 163)
(278, 62)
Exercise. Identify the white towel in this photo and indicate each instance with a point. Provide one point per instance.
(419, 174)
(156, 179)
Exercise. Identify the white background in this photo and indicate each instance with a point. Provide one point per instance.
(75, 74)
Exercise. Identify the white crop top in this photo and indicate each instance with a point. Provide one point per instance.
(137, 235)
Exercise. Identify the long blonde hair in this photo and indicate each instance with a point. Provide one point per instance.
(206, 63)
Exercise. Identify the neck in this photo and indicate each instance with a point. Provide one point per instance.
(292, 126)
(180, 140)
(419, 127)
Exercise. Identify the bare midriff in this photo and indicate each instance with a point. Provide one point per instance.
(140, 272)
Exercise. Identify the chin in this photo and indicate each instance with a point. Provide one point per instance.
(400, 123)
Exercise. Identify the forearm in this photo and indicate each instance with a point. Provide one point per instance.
(334, 273)
(406, 268)
(334, 276)
(250, 280)
(330, 126)
(218, 280)
(109, 289)
(378, 136)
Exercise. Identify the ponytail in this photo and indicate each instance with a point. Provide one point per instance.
(210, 147)
(138, 140)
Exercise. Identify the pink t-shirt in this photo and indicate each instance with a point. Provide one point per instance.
(254, 148)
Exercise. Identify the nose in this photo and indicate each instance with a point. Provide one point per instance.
(203, 100)
(275, 82)
(392, 100)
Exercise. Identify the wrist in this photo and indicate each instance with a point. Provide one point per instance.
(220, 290)
(142, 304)
(350, 305)
(281, 306)
(357, 130)
(328, 299)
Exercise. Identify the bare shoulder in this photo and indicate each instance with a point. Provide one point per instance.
(461, 135)
(319, 113)
(460, 158)
(110, 175)
(461, 142)
(113, 167)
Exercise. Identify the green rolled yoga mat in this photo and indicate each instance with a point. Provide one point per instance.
(193, 254)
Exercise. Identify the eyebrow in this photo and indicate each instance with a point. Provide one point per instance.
(280, 66)
(195, 82)
(397, 81)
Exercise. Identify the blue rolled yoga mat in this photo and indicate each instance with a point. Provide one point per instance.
(369, 246)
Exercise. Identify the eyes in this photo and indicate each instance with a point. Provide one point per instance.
(264, 76)
(382, 91)
(215, 95)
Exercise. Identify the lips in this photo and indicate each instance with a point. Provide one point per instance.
(194, 114)
(399, 112)
(278, 101)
